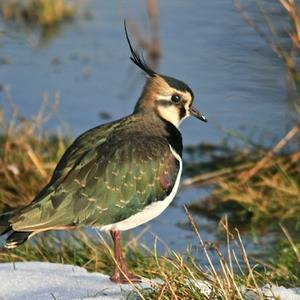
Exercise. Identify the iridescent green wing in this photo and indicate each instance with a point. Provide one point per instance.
(120, 180)
(81, 149)
(77, 154)
(137, 174)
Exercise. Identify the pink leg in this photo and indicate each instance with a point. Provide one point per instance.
(120, 266)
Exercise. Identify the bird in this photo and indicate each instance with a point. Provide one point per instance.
(116, 176)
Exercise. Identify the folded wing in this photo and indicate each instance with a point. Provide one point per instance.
(114, 181)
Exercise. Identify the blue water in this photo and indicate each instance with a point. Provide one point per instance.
(238, 82)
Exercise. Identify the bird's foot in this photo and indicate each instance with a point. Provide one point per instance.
(122, 279)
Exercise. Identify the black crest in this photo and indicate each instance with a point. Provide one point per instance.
(138, 59)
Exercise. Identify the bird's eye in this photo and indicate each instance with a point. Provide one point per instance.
(175, 98)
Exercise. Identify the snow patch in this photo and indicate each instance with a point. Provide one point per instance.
(49, 281)
(277, 292)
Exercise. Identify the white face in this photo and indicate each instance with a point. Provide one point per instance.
(174, 107)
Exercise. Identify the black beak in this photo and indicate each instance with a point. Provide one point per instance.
(195, 113)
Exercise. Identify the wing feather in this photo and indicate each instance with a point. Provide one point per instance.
(115, 180)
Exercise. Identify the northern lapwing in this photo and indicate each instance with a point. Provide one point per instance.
(115, 176)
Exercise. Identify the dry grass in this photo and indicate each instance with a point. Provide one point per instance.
(27, 157)
(234, 276)
(187, 279)
(272, 193)
(263, 182)
(43, 13)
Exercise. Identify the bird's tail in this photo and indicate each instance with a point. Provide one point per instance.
(5, 226)
(15, 238)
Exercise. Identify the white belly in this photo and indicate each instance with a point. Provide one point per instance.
(151, 211)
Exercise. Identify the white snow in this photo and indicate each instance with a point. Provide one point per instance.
(49, 281)
(270, 292)
(282, 292)
(276, 292)
(43, 281)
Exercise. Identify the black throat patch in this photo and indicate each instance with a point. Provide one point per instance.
(174, 137)
(182, 111)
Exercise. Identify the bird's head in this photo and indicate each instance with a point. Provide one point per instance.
(170, 98)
